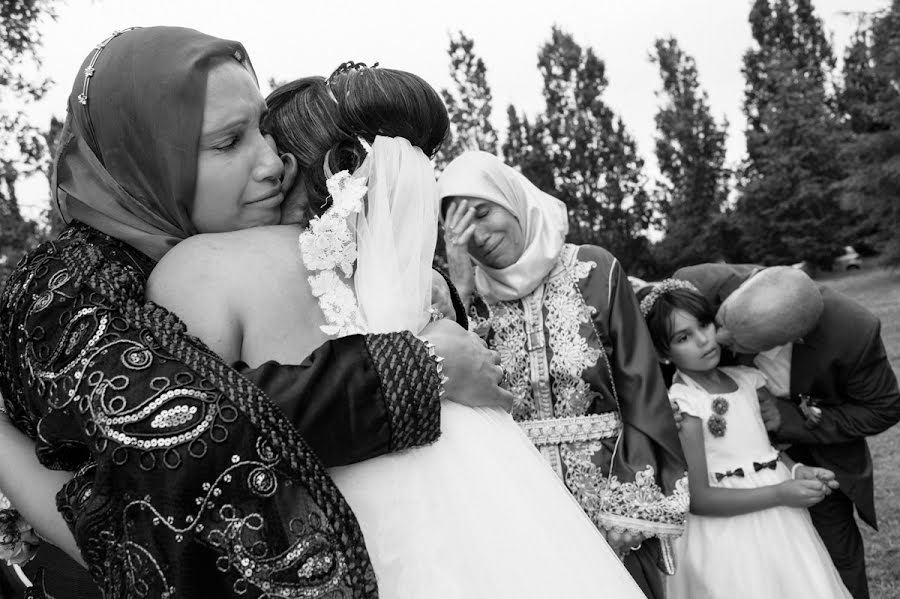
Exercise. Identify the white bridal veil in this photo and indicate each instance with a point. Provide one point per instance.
(396, 233)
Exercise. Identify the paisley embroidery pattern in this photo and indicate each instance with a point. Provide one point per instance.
(74, 329)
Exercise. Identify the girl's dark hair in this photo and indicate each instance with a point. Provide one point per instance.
(659, 321)
(317, 120)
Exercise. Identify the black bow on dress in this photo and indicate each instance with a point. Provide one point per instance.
(757, 466)
(735, 472)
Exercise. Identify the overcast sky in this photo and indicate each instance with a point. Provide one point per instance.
(293, 38)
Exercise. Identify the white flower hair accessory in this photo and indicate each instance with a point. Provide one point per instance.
(662, 288)
(330, 244)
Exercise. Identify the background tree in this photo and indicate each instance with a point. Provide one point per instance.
(23, 147)
(522, 148)
(788, 209)
(690, 151)
(870, 100)
(469, 102)
(580, 151)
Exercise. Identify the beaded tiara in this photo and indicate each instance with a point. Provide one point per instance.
(662, 288)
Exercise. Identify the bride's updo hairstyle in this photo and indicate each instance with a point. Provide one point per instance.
(320, 121)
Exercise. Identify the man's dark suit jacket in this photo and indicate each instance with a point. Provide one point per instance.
(842, 363)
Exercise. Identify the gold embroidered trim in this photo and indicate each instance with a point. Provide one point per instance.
(552, 431)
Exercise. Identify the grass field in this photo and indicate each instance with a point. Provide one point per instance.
(879, 290)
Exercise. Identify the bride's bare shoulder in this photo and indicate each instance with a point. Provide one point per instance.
(217, 258)
(232, 249)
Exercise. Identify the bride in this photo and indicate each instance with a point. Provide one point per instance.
(476, 514)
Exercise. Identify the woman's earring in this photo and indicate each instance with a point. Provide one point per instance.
(665, 361)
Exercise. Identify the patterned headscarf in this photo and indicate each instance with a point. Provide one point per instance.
(543, 219)
(127, 159)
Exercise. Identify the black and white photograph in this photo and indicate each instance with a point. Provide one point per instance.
(409, 300)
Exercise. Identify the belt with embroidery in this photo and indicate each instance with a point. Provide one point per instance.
(551, 431)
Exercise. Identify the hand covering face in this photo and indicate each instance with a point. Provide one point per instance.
(127, 159)
(542, 217)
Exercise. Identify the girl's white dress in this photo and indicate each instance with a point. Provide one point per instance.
(772, 554)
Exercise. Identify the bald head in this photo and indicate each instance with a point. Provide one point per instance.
(775, 306)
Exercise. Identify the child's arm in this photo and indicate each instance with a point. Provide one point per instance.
(714, 501)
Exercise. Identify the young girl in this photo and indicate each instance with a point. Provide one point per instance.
(749, 533)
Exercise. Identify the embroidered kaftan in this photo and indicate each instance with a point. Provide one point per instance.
(590, 395)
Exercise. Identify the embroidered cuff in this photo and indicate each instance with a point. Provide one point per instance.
(641, 506)
(411, 385)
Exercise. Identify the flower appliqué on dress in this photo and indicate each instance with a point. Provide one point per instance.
(329, 244)
(717, 424)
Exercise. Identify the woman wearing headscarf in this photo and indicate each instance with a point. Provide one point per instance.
(580, 362)
(188, 481)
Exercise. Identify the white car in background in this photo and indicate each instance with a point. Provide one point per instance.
(849, 260)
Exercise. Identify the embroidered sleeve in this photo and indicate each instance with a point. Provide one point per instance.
(647, 491)
(191, 482)
(480, 316)
(410, 385)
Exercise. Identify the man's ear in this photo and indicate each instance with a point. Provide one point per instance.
(291, 168)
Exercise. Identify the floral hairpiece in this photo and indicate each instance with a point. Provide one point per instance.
(329, 244)
(662, 288)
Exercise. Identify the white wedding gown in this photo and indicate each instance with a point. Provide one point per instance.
(478, 514)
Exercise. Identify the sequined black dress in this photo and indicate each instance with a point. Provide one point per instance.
(190, 481)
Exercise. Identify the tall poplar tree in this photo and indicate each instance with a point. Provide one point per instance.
(469, 102)
(788, 210)
(580, 151)
(690, 151)
(870, 100)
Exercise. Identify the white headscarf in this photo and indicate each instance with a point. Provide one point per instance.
(542, 217)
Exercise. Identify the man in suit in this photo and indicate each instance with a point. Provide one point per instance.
(834, 386)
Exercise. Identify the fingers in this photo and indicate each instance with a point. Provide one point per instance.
(478, 340)
(450, 217)
(499, 373)
(823, 475)
(466, 235)
(459, 229)
(614, 537)
(454, 215)
(495, 356)
(505, 399)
